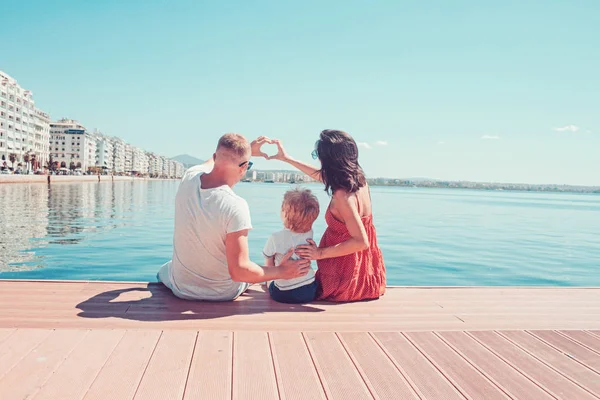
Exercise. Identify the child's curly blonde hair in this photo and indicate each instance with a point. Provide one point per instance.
(300, 210)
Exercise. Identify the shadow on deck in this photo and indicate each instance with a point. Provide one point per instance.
(156, 303)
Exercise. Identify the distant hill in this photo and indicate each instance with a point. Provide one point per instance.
(187, 160)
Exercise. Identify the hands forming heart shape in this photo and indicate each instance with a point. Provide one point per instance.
(257, 151)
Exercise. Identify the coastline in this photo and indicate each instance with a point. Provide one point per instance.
(17, 179)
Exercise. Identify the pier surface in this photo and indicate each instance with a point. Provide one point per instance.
(97, 340)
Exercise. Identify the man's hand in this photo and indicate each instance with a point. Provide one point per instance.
(242, 269)
(257, 144)
(291, 269)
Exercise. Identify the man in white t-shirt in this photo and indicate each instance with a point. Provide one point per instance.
(210, 244)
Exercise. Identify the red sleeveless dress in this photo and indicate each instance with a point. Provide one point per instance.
(354, 277)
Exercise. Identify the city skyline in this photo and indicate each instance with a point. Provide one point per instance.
(31, 141)
(291, 176)
(457, 91)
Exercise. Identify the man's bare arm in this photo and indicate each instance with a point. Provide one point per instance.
(242, 269)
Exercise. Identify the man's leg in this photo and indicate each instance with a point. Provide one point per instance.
(164, 275)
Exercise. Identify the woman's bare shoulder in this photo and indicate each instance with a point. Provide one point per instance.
(342, 195)
(342, 198)
(361, 200)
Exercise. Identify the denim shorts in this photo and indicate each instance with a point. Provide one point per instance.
(299, 295)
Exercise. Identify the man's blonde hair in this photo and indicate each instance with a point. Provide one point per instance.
(234, 143)
(300, 210)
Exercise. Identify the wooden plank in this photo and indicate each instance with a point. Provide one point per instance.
(532, 368)
(167, 371)
(277, 323)
(253, 371)
(244, 322)
(133, 305)
(295, 371)
(5, 333)
(44, 286)
(401, 293)
(470, 382)
(226, 324)
(503, 375)
(556, 360)
(211, 369)
(586, 339)
(572, 349)
(122, 373)
(422, 375)
(77, 373)
(18, 345)
(527, 324)
(336, 370)
(263, 310)
(258, 311)
(86, 305)
(381, 375)
(29, 375)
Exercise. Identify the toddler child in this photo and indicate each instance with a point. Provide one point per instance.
(299, 211)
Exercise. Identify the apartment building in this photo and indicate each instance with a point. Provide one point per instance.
(139, 161)
(105, 153)
(24, 129)
(118, 155)
(71, 146)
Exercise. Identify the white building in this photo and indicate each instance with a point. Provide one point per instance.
(105, 153)
(118, 155)
(128, 163)
(162, 162)
(166, 167)
(155, 165)
(71, 145)
(172, 169)
(42, 137)
(89, 155)
(151, 163)
(251, 175)
(139, 161)
(24, 129)
(178, 169)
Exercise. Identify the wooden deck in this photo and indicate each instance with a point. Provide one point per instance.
(89, 340)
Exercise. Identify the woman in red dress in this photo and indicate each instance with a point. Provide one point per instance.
(351, 266)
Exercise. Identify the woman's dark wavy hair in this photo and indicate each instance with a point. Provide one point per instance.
(340, 169)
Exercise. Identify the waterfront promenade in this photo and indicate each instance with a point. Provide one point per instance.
(8, 179)
(94, 340)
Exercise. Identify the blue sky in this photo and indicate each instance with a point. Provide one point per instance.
(475, 90)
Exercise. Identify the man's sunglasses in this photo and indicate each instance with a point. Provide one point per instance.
(249, 163)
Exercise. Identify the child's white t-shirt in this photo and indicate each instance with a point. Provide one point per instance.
(278, 245)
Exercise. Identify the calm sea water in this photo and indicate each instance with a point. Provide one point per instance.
(123, 231)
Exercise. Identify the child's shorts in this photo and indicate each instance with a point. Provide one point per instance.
(299, 295)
